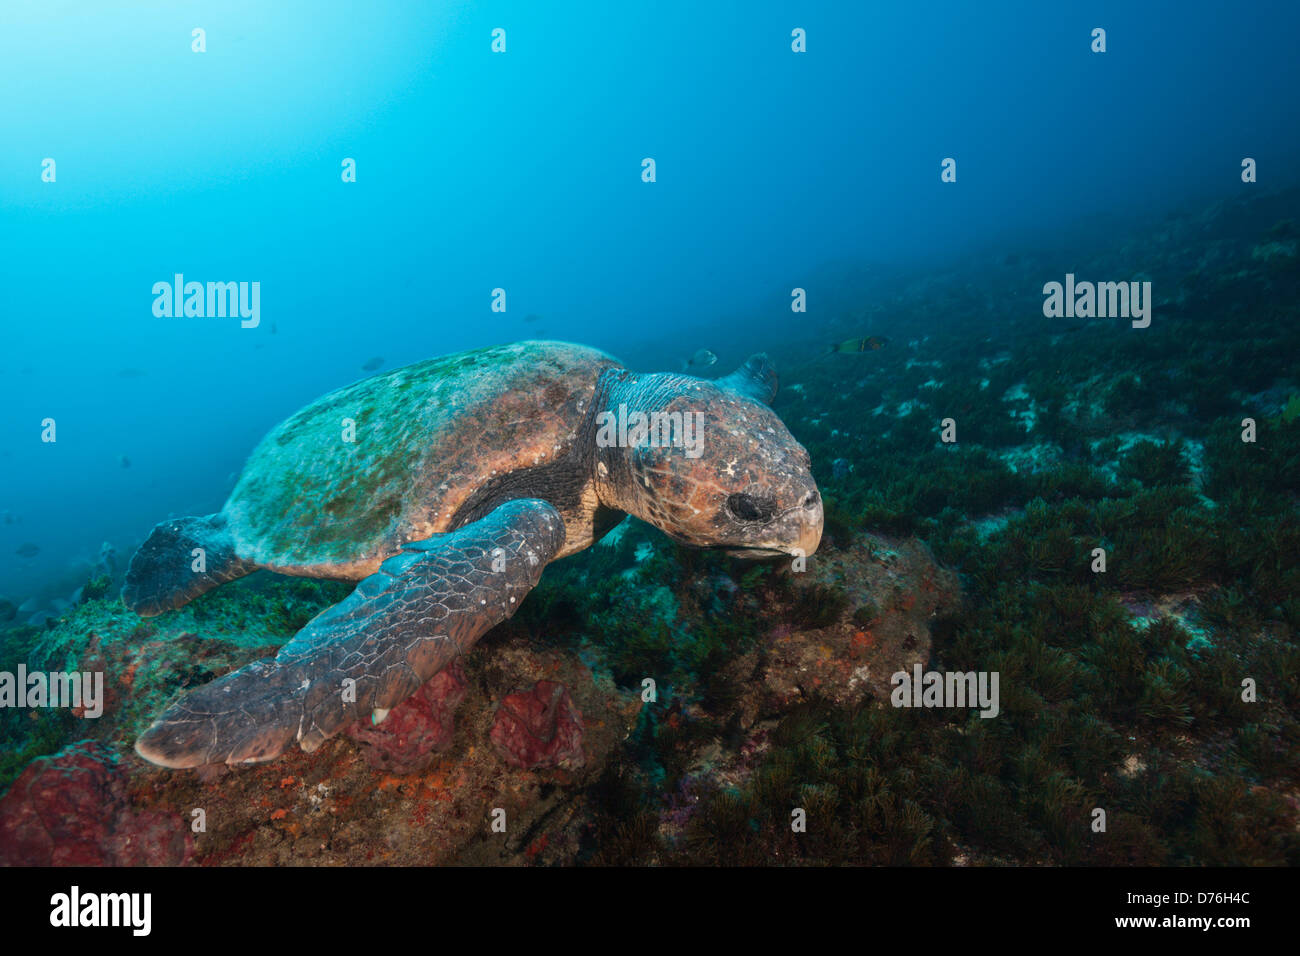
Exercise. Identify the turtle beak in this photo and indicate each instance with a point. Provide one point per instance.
(796, 532)
(805, 524)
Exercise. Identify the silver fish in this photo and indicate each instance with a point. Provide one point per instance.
(701, 359)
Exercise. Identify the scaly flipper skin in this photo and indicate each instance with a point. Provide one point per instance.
(404, 623)
(162, 576)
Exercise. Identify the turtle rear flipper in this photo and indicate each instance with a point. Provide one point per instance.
(756, 379)
(181, 559)
(368, 653)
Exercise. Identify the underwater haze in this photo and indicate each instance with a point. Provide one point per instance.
(522, 171)
(1029, 277)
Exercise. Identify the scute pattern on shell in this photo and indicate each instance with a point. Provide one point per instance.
(426, 436)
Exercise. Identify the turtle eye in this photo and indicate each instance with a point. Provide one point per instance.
(748, 508)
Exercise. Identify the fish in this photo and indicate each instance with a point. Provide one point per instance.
(28, 550)
(131, 373)
(371, 364)
(124, 461)
(872, 343)
(701, 359)
(532, 317)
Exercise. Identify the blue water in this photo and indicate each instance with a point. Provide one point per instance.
(523, 170)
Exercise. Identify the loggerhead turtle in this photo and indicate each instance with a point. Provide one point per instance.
(445, 488)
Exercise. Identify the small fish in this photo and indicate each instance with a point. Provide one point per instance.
(27, 550)
(532, 317)
(872, 343)
(124, 461)
(371, 364)
(701, 359)
(131, 373)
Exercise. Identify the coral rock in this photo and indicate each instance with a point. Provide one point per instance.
(416, 729)
(539, 728)
(71, 810)
(901, 589)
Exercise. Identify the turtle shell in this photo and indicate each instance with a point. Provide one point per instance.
(342, 484)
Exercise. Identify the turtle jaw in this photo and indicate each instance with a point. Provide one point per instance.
(799, 530)
(810, 536)
(755, 554)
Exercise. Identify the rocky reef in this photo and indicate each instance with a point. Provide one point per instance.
(524, 729)
(1099, 534)
(75, 809)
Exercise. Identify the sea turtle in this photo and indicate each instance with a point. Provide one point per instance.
(444, 488)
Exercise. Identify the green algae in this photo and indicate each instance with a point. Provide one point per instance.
(1136, 711)
(218, 631)
(1108, 701)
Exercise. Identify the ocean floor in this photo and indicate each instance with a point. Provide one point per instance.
(1115, 531)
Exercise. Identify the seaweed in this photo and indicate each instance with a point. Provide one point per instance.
(1154, 463)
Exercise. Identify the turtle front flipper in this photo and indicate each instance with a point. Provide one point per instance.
(368, 653)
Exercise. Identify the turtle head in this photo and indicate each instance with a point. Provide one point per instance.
(706, 462)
